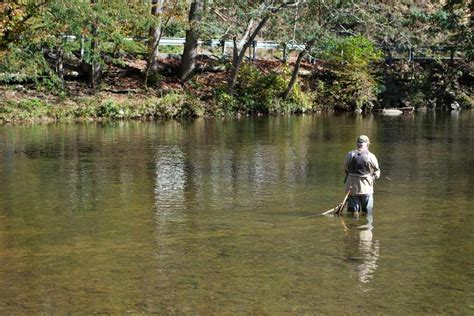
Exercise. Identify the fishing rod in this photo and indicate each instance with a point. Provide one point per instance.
(337, 210)
(341, 207)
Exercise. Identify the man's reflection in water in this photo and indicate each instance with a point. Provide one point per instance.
(360, 247)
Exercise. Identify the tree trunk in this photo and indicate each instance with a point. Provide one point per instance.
(187, 65)
(241, 55)
(294, 74)
(153, 40)
(238, 61)
(95, 53)
(235, 51)
(60, 65)
(95, 65)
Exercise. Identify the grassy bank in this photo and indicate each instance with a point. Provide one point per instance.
(31, 107)
(260, 92)
(100, 107)
(122, 96)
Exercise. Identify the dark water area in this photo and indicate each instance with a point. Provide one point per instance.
(215, 217)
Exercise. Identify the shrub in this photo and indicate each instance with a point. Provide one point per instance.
(25, 110)
(26, 63)
(110, 109)
(301, 102)
(31, 105)
(226, 103)
(172, 105)
(350, 82)
(257, 91)
(84, 111)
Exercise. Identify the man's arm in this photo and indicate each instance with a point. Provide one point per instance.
(375, 165)
(347, 159)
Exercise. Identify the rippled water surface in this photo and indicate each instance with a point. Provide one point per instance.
(216, 217)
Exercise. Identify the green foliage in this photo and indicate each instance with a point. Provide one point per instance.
(32, 105)
(260, 92)
(25, 110)
(454, 22)
(353, 51)
(175, 105)
(110, 109)
(32, 29)
(84, 110)
(257, 90)
(226, 103)
(350, 83)
(175, 28)
(155, 79)
(301, 101)
(25, 62)
(435, 84)
(172, 105)
(465, 100)
(418, 99)
(33, 43)
(171, 49)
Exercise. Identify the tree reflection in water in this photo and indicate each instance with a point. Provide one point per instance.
(170, 183)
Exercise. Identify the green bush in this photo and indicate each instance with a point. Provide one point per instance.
(418, 99)
(31, 105)
(301, 102)
(25, 110)
(225, 103)
(349, 82)
(257, 91)
(175, 105)
(465, 100)
(24, 63)
(110, 109)
(171, 105)
(353, 51)
(84, 111)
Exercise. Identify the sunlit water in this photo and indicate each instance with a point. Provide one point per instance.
(216, 217)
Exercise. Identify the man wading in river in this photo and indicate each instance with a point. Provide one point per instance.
(362, 169)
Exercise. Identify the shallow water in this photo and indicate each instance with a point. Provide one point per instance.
(216, 217)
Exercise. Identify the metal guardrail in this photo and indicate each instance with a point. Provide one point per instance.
(285, 47)
(179, 41)
(220, 43)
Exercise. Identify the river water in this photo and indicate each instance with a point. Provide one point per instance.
(215, 217)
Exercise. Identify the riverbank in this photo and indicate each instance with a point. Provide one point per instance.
(31, 106)
(121, 95)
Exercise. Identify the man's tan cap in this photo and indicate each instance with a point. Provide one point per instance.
(363, 139)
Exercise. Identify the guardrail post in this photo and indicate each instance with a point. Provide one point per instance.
(223, 48)
(254, 50)
(82, 47)
(285, 52)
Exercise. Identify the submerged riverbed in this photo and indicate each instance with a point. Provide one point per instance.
(214, 217)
